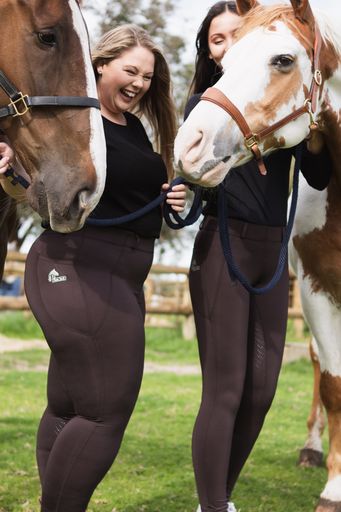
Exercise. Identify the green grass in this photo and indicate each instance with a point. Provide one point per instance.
(153, 471)
(18, 324)
(162, 345)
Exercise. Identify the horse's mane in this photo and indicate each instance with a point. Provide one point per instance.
(265, 16)
(329, 25)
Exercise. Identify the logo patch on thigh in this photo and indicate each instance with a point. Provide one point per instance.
(55, 277)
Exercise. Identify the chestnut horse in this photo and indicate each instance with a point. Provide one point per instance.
(283, 76)
(47, 109)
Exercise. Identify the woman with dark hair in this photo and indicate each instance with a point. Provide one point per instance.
(214, 36)
(241, 335)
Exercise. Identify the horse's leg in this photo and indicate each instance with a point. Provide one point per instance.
(324, 319)
(311, 454)
(330, 500)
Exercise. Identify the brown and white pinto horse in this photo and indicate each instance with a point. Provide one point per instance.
(44, 51)
(270, 72)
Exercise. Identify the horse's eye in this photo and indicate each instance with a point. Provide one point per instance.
(282, 62)
(47, 38)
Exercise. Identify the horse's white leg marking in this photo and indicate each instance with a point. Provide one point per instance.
(316, 421)
(98, 155)
(332, 490)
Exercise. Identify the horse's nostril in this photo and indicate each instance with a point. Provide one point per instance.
(83, 198)
(79, 204)
(193, 150)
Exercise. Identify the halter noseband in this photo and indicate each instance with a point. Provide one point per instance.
(252, 139)
(21, 103)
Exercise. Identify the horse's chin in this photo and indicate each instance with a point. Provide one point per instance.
(210, 178)
(64, 227)
(61, 224)
(68, 223)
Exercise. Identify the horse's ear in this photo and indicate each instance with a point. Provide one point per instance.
(302, 10)
(243, 6)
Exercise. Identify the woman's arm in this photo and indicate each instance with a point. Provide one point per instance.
(316, 162)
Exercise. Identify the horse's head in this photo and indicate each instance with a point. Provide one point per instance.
(268, 74)
(44, 51)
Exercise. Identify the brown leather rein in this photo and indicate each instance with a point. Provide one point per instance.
(252, 139)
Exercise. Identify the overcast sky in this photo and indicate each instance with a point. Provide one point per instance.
(189, 14)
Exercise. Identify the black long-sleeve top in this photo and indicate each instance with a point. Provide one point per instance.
(135, 174)
(259, 199)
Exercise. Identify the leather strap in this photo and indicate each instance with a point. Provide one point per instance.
(217, 97)
(21, 103)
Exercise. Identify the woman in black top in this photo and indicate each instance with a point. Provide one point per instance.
(86, 288)
(241, 335)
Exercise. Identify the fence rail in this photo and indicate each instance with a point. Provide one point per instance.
(166, 293)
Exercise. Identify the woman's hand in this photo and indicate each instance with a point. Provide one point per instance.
(6, 158)
(177, 197)
(315, 141)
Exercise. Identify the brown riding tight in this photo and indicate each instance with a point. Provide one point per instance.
(241, 340)
(86, 291)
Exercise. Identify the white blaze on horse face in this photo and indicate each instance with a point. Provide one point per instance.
(209, 142)
(97, 139)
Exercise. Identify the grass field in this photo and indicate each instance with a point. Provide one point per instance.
(153, 471)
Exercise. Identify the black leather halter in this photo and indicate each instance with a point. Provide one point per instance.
(21, 103)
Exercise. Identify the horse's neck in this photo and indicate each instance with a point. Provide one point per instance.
(330, 117)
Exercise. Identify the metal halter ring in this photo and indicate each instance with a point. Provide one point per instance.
(22, 101)
(251, 141)
(318, 77)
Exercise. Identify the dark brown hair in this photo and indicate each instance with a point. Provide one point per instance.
(206, 71)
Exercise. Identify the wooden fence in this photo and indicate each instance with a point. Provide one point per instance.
(166, 291)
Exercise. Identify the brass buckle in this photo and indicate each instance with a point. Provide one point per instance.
(251, 141)
(318, 77)
(20, 105)
(307, 104)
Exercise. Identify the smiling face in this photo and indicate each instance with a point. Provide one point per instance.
(124, 81)
(221, 35)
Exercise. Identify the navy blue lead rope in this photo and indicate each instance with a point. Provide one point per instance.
(194, 214)
(225, 239)
(168, 212)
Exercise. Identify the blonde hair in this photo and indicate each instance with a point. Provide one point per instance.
(157, 104)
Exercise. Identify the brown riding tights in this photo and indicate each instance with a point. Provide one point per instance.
(241, 340)
(86, 291)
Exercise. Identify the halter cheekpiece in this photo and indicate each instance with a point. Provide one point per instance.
(252, 139)
(21, 103)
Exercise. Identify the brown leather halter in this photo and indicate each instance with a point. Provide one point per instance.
(252, 139)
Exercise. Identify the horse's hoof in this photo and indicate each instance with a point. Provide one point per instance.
(310, 458)
(328, 506)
